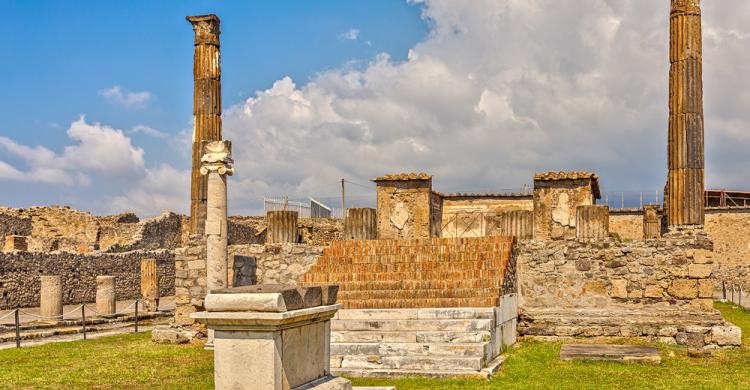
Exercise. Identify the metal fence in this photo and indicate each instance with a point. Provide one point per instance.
(619, 200)
(735, 294)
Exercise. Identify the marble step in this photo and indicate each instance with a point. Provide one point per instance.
(411, 349)
(420, 294)
(486, 302)
(462, 325)
(425, 363)
(410, 337)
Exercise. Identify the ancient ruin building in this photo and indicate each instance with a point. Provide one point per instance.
(685, 182)
(556, 197)
(206, 108)
(412, 209)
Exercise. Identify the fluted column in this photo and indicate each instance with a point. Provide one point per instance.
(206, 108)
(106, 298)
(217, 165)
(592, 221)
(149, 285)
(361, 224)
(651, 221)
(282, 226)
(685, 147)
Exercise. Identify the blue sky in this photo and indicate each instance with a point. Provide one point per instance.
(96, 104)
(65, 53)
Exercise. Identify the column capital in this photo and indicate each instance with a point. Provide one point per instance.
(217, 157)
(206, 29)
(686, 7)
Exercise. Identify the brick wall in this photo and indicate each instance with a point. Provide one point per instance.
(437, 272)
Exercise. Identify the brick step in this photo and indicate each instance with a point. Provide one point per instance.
(471, 363)
(313, 276)
(412, 349)
(496, 258)
(419, 294)
(339, 267)
(464, 325)
(419, 336)
(419, 303)
(415, 314)
(419, 284)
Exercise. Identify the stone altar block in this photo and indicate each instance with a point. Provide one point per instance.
(272, 337)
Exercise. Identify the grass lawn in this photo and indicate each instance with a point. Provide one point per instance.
(133, 362)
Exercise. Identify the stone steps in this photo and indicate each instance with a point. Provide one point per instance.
(419, 284)
(463, 325)
(411, 349)
(422, 363)
(416, 314)
(417, 303)
(419, 294)
(410, 337)
(335, 277)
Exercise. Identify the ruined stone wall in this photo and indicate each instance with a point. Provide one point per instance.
(627, 225)
(20, 271)
(555, 205)
(730, 231)
(248, 265)
(404, 209)
(13, 225)
(606, 273)
(474, 216)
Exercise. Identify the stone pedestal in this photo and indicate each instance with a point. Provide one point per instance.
(271, 338)
(361, 224)
(106, 301)
(15, 243)
(149, 285)
(50, 297)
(282, 226)
(592, 221)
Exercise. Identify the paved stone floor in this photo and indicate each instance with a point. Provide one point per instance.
(610, 352)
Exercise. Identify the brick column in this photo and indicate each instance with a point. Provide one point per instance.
(685, 147)
(206, 108)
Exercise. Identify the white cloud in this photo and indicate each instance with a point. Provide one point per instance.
(351, 34)
(500, 89)
(161, 188)
(128, 99)
(149, 131)
(97, 149)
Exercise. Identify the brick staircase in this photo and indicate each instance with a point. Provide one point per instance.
(439, 307)
(421, 273)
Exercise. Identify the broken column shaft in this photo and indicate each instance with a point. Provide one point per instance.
(106, 300)
(206, 108)
(685, 146)
(50, 297)
(216, 165)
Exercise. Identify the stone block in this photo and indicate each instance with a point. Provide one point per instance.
(684, 288)
(619, 288)
(653, 291)
(705, 288)
(700, 271)
(728, 335)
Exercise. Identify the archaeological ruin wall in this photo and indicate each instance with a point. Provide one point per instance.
(20, 272)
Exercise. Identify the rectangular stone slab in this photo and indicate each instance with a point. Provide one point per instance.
(609, 352)
(262, 298)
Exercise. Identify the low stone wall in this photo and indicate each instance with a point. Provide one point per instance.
(607, 273)
(20, 271)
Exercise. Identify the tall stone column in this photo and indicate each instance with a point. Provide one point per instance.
(685, 147)
(206, 108)
(216, 164)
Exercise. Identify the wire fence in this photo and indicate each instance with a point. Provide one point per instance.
(620, 200)
(83, 308)
(735, 294)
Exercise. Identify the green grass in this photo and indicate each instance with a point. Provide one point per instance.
(133, 362)
(118, 362)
